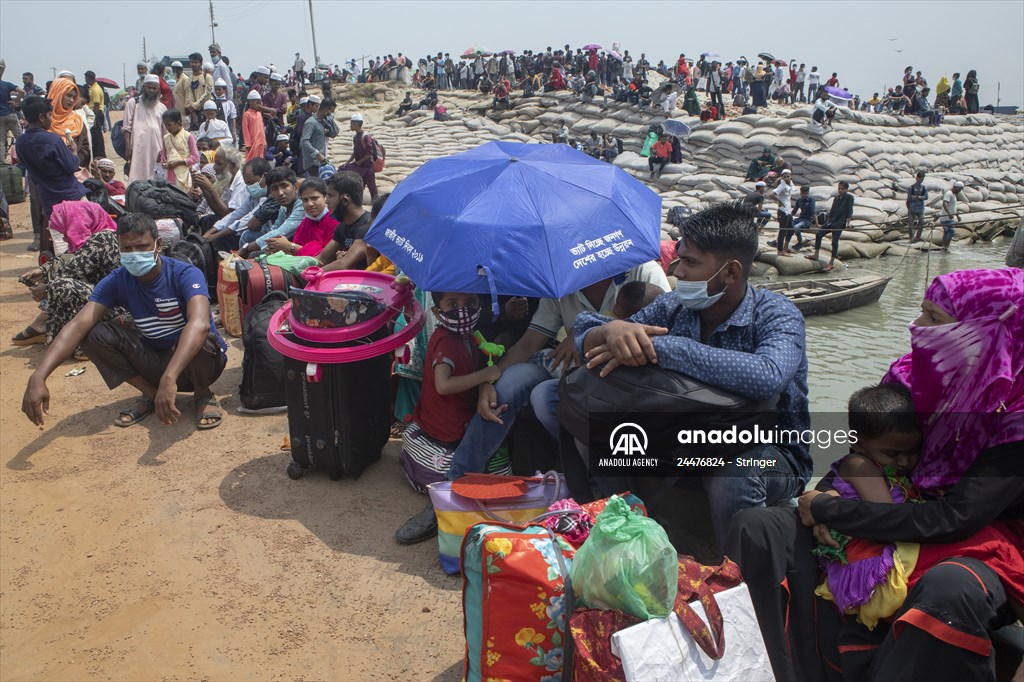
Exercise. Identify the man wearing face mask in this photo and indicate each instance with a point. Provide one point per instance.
(228, 230)
(176, 347)
(720, 330)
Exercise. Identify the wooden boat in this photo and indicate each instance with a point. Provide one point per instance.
(825, 296)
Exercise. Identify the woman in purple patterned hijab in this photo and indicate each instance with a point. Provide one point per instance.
(966, 370)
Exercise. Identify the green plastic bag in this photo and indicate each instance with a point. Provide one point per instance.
(292, 264)
(652, 137)
(627, 563)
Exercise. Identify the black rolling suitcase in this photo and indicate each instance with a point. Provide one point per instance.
(340, 423)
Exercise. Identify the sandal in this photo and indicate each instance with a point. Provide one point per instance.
(29, 336)
(215, 415)
(143, 406)
(827, 268)
(30, 281)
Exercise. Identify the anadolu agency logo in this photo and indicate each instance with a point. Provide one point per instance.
(629, 440)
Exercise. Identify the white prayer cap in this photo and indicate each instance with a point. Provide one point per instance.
(254, 94)
(759, 184)
(314, 99)
(220, 83)
(786, 171)
(105, 163)
(282, 136)
(356, 118)
(276, 77)
(263, 71)
(209, 105)
(303, 100)
(176, 65)
(151, 78)
(65, 74)
(958, 185)
(207, 66)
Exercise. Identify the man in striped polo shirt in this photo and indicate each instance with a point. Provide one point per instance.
(175, 347)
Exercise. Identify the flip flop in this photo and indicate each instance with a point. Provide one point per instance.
(214, 414)
(810, 258)
(827, 268)
(29, 336)
(22, 279)
(134, 414)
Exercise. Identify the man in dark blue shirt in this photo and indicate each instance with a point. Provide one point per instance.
(804, 210)
(837, 220)
(51, 163)
(720, 330)
(176, 346)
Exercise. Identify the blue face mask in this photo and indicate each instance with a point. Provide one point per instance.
(216, 59)
(256, 191)
(138, 263)
(695, 296)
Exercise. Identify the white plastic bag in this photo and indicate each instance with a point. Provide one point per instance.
(661, 650)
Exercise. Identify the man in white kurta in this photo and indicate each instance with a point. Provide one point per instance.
(144, 130)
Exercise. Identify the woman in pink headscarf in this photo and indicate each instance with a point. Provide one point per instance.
(72, 223)
(965, 371)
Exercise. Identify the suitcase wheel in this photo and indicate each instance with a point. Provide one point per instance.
(295, 471)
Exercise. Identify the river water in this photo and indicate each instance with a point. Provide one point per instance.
(853, 349)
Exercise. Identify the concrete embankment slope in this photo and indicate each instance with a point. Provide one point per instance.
(878, 154)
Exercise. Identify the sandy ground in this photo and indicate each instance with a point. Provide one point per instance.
(161, 552)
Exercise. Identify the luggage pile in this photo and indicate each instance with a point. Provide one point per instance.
(557, 590)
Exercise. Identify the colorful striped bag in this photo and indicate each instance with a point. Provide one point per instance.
(456, 513)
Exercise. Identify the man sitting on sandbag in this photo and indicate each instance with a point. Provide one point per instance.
(170, 345)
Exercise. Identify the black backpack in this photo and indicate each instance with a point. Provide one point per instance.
(117, 138)
(158, 199)
(97, 194)
(262, 366)
(591, 407)
(195, 249)
(662, 401)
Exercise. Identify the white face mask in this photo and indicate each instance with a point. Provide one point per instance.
(695, 296)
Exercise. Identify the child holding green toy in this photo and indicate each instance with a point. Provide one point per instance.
(454, 369)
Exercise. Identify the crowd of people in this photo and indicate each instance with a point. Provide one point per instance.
(607, 74)
(144, 319)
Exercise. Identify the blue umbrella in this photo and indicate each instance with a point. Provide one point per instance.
(518, 219)
(675, 127)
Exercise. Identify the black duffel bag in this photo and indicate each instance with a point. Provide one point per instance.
(662, 401)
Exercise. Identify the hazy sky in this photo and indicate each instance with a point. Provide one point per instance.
(849, 37)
